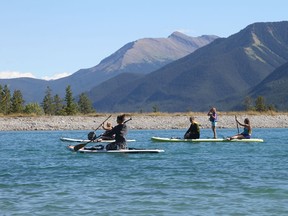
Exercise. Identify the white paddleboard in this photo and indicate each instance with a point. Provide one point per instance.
(66, 139)
(162, 139)
(129, 150)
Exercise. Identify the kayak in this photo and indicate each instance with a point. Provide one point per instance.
(162, 139)
(129, 150)
(65, 139)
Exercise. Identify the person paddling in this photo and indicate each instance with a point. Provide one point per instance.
(120, 131)
(213, 119)
(247, 131)
(105, 136)
(194, 131)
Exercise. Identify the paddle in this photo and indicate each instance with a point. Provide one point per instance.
(102, 123)
(127, 120)
(237, 124)
(81, 145)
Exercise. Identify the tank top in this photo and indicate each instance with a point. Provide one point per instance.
(247, 131)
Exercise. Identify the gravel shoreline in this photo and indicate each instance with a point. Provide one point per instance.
(139, 121)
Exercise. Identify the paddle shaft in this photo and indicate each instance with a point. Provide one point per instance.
(102, 123)
(127, 120)
(81, 145)
(237, 124)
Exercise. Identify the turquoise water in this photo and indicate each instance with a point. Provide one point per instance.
(39, 176)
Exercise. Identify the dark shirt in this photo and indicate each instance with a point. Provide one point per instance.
(120, 132)
(193, 132)
(213, 117)
(106, 136)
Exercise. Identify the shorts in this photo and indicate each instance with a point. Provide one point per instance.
(213, 123)
(246, 136)
(115, 146)
(111, 146)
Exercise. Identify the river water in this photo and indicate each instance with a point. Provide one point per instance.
(39, 176)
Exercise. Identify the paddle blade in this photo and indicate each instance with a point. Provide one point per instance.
(79, 146)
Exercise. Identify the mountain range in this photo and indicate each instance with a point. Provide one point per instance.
(140, 57)
(226, 68)
(274, 87)
(163, 74)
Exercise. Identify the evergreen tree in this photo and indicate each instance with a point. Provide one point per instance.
(17, 102)
(71, 107)
(260, 105)
(47, 103)
(6, 100)
(155, 108)
(58, 105)
(85, 104)
(33, 108)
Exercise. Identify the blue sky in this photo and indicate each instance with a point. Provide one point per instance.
(52, 38)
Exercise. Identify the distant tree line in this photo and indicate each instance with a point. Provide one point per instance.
(259, 104)
(51, 104)
(55, 105)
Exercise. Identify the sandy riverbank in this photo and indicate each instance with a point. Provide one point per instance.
(139, 121)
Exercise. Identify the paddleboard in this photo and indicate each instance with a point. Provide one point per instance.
(66, 139)
(162, 139)
(129, 150)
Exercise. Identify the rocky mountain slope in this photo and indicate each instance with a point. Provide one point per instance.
(140, 57)
(225, 67)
